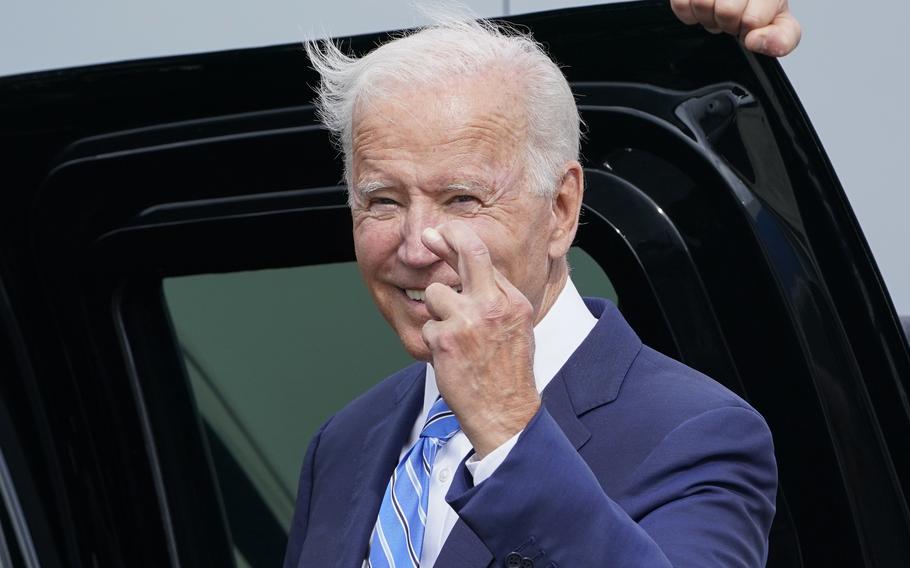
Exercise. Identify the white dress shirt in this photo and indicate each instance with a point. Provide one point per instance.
(556, 337)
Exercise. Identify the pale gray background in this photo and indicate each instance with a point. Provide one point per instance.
(851, 72)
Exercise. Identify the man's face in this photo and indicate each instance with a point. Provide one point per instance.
(422, 157)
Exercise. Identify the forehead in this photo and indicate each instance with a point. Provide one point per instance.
(479, 117)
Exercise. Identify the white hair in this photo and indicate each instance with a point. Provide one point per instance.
(454, 45)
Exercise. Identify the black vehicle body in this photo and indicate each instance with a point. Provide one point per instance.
(710, 203)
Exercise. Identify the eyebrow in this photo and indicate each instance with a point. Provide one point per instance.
(371, 186)
(469, 187)
(365, 188)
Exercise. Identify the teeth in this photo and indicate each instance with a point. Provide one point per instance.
(421, 295)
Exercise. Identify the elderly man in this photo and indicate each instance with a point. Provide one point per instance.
(536, 430)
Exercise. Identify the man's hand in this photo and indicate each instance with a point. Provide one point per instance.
(481, 340)
(765, 26)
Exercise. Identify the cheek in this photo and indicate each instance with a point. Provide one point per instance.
(508, 249)
(519, 250)
(374, 244)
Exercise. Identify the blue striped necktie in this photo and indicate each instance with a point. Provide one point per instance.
(397, 538)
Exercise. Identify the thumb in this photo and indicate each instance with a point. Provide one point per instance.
(777, 39)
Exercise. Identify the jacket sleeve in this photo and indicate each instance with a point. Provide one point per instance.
(709, 488)
(297, 533)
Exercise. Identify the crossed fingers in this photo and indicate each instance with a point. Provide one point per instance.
(485, 293)
(460, 247)
(481, 340)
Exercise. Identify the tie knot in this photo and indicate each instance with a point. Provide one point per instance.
(441, 423)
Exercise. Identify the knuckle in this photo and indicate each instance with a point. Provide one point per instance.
(679, 6)
(477, 250)
(727, 10)
(496, 307)
(683, 11)
(446, 340)
(429, 337)
(467, 320)
(751, 21)
(524, 310)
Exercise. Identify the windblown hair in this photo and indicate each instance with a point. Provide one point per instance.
(454, 46)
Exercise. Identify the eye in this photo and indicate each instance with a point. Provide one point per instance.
(384, 202)
(458, 199)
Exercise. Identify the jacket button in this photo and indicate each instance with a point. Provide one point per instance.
(513, 560)
(526, 563)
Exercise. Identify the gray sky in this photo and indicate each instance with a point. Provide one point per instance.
(851, 72)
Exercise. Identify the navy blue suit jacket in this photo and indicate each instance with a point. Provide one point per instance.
(634, 459)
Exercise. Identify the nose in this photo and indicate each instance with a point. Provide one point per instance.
(411, 250)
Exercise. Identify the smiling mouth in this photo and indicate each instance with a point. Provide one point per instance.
(419, 295)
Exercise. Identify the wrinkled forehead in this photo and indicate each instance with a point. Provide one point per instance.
(482, 108)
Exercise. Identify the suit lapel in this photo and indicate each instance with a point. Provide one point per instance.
(594, 373)
(463, 549)
(559, 405)
(378, 457)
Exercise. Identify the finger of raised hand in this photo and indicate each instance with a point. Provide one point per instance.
(430, 332)
(458, 245)
(442, 301)
(683, 11)
(758, 14)
(704, 13)
(729, 14)
(443, 338)
(777, 39)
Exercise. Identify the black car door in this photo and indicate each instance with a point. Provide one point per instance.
(179, 294)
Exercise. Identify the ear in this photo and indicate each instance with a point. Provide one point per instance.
(566, 208)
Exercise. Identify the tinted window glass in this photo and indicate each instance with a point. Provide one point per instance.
(271, 354)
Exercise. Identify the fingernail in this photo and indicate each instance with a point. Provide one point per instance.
(431, 234)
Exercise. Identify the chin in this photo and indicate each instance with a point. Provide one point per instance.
(416, 346)
(411, 337)
(409, 328)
